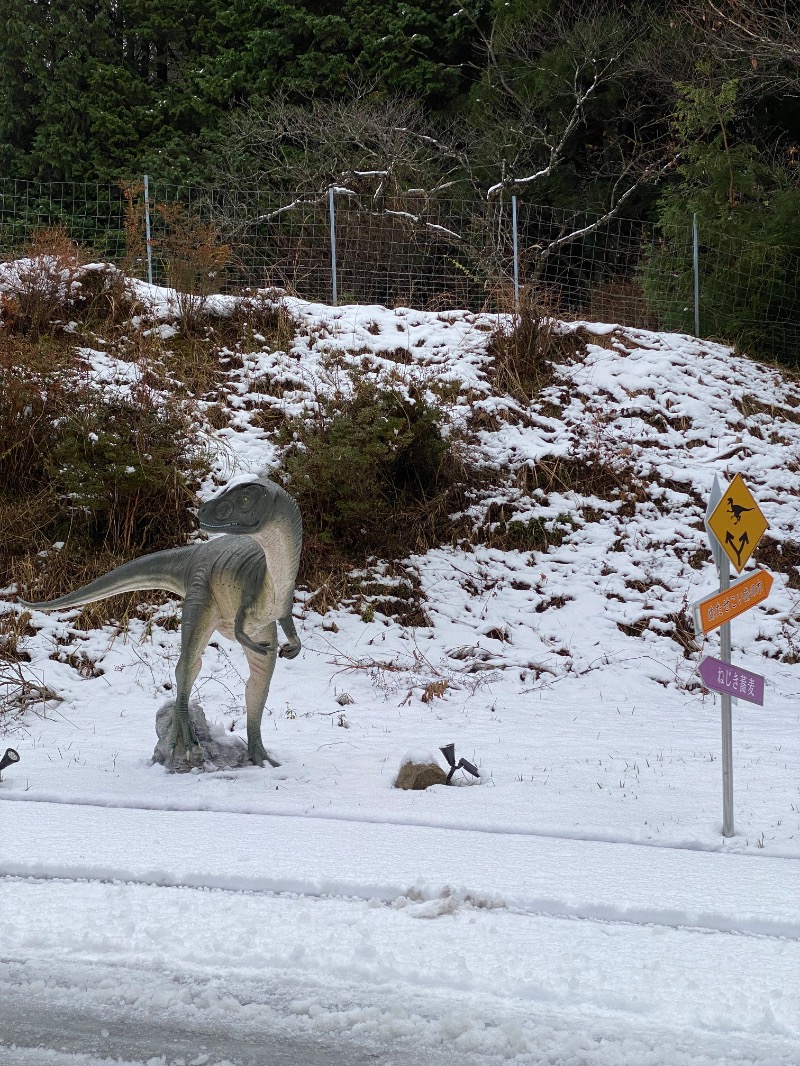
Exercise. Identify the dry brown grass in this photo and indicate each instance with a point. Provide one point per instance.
(14, 627)
(53, 286)
(526, 351)
(620, 300)
(522, 353)
(49, 573)
(682, 631)
(199, 360)
(20, 692)
(105, 472)
(782, 556)
(260, 318)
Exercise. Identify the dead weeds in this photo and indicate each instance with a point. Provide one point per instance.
(526, 345)
(681, 630)
(781, 556)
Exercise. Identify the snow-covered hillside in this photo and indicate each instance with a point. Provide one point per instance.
(587, 908)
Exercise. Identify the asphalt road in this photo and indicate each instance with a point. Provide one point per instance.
(62, 1013)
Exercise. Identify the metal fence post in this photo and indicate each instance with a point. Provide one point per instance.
(696, 273)
(148, 242)
(515, 240)
(333, 246)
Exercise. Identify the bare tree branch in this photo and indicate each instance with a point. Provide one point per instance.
(556, 150)
(544, 106)
(769, 26)
(762, 36)
(653, 175)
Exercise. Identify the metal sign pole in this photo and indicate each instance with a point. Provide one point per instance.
(735, 525)
(727, 727)
(724, 571)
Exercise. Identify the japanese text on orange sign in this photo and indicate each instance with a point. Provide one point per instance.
(736, 601)
(724, 606)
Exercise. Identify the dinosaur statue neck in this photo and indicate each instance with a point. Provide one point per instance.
(281, 540)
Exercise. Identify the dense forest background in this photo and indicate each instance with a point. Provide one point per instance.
(597, 96)
(655, 112)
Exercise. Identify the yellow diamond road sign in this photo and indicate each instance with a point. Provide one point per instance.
(737, 522)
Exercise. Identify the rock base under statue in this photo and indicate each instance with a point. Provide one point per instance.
(219, 750)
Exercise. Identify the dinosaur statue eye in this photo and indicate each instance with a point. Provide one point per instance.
(246, 502)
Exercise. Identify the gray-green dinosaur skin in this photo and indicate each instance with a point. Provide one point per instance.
(241, 585)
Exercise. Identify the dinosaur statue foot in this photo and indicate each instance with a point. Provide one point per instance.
(182, 741)
(258, 754)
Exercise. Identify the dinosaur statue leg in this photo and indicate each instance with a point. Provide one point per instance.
(198, 622)
(262, 667)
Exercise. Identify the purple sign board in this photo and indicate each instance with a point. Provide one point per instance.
(732, 680)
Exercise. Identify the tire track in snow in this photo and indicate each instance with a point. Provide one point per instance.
(386, 863)
(482, 983)
(451, 825)
(431, 905)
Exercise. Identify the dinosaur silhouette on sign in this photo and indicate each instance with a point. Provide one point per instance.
(737, 510)
(744, 539)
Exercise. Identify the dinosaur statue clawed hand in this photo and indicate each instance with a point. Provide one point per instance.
(241, 585)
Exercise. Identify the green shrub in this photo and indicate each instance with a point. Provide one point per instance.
(748, 211)
(107, 473)
(121, 465)
(371, 469)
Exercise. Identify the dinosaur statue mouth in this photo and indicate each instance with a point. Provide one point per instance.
(214, 526)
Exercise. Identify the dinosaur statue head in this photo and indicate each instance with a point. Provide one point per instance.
(243, 508)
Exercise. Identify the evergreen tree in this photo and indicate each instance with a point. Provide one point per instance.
(317, 47)
(21, 76)
(748, 210)
(111, 88)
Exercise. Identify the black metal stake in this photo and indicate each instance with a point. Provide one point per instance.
(449, 752)
(8, 759)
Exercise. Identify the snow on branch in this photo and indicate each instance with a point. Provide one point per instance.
(303, 201)
(338, 190)
(651, 174)
(557, 149)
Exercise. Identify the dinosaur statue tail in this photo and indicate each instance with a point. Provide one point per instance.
(161, 570)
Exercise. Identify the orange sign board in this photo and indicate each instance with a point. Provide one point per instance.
(737, 522)
(714, 611)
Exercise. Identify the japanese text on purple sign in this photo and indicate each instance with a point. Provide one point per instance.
(736, 681)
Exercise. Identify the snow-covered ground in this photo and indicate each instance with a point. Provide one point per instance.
(581, 905)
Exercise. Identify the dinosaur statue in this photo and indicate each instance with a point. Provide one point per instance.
(241, 585)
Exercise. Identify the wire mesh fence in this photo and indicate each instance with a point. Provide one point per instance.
(427, 252)
(92, 214)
